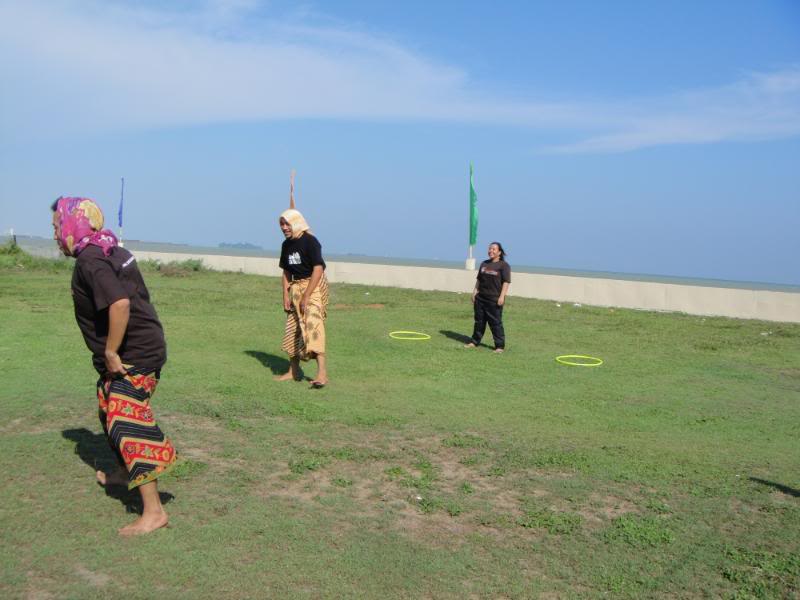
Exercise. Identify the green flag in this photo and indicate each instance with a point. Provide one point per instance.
(473, 211)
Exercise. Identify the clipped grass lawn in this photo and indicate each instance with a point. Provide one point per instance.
(424, 469)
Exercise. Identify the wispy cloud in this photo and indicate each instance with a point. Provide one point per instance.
(71, 67)
(761, 106)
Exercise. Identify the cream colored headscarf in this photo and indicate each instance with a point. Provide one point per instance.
(296, 221)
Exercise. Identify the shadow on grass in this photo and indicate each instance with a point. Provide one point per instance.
(277, 364)
(778, 486)
(94, 450)
(459, 337)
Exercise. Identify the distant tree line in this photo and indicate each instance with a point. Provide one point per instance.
(240, 246)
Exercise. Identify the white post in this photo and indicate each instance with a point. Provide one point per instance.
(469, 265)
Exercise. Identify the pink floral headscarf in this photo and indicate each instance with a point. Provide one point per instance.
(81, 224)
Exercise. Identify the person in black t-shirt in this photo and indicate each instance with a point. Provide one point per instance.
(305, 298)
(122, 330)
(489, 297)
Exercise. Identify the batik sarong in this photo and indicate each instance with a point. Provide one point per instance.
(130, 426)
(305, 334)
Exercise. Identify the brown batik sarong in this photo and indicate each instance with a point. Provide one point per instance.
(305, 334)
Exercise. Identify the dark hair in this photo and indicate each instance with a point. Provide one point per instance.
(500, 247)
(54, 205)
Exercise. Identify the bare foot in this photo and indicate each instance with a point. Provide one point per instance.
(145, 524)
(115, 478)
(285, 377)
(470, 345)
(498, 350)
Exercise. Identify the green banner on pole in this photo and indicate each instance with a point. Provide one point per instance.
(473, 210)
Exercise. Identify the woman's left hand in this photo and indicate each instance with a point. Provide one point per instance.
(114, 363)
(501, 301)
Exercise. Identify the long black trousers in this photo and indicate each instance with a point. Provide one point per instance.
(487, 311)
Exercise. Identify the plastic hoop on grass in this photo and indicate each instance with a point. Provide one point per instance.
(409, 335)
(566, 359)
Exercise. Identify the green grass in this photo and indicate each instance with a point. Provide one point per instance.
(423, 469)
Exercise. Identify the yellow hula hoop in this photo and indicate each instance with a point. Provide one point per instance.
(562, 359)
(409, 335)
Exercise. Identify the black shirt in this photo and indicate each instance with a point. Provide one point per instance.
(491, 276)
(300, 256)
(97, 282)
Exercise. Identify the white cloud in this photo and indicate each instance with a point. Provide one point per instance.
(759, 107)
(70, 67)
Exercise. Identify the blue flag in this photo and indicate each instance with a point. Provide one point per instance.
(121, 197)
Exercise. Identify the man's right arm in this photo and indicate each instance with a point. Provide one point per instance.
(287, 301)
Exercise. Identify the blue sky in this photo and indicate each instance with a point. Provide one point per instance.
(640, 137)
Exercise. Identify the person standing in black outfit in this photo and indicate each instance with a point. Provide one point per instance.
(489, 297)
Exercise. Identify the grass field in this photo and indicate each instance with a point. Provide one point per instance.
(424, 470)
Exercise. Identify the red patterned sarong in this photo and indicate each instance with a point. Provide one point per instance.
(130, 426)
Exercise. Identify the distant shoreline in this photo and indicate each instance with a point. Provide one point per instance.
(46, 246)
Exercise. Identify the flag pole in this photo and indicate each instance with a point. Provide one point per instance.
(469, 264)
(291, 189)
(119, 215)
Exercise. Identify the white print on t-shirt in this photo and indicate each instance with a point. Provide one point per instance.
(127, 262)
(294, 258)
(488, 272)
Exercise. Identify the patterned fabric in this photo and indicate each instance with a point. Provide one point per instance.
(305, 336)
(131, 429)
(80, 224)
(297, 221)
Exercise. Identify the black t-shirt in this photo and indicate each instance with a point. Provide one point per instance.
(491, 276)
(300, 256)
(97, 282)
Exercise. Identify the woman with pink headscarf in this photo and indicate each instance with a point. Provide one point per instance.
(122, 330)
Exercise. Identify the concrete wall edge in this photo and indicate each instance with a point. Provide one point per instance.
(709, 301)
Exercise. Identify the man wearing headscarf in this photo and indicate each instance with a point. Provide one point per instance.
(122, 330)
(305, 297)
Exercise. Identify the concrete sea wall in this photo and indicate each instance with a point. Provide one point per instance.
(743, 303)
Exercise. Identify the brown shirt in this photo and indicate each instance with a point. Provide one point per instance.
(97, 282)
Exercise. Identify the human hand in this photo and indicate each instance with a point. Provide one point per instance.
(501, 301)
(303, 305)
(114, 363)
(287, 304)
(474, 295)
